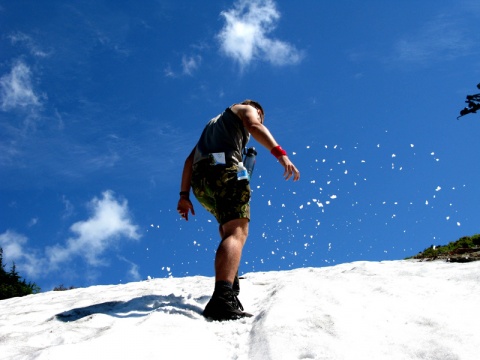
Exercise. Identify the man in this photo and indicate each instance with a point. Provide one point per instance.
(211, 170)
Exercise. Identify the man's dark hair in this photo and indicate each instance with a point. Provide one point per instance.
(256, 105)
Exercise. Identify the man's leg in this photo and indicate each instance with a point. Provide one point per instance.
(229, 252)
(224, 304)
(236, 281)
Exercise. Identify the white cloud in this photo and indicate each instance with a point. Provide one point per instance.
(442, 38)
(110, 221)
(28, 262)
(133, 273)
(33, 222)
(69, 208)
(16, 89)
(21, 38)
(245, 34)
(190, 64)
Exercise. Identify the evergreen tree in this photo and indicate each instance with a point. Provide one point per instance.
(11, 283)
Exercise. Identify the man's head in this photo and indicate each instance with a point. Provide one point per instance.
(257, 106)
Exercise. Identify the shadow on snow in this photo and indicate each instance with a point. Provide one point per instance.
(137, 307)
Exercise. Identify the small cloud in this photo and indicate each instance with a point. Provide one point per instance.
(110, 222)
(33, 222)
(190, 64)
(133, 273)
(169, 72)
(442, 38)
(68, 208)
(16, 89)
(244, 37)
(29, 43)
(26, 260)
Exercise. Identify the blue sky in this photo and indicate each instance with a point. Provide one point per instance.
(101, 101)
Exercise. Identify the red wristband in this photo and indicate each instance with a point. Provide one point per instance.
(277, 151)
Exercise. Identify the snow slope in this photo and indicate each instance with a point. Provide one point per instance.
(360, 310)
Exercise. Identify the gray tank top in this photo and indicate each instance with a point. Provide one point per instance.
(224, 133)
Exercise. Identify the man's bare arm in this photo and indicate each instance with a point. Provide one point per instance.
(184, 203)
(251, 119)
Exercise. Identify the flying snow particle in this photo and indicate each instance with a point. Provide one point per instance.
(438, 188)
(458, 223)
(333, 197)
(393, 155)
(269, 203)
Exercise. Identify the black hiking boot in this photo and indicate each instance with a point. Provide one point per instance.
(224, 305)
(236, 285)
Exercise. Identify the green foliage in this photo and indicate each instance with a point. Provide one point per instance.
(62, 288)
(433, 252)
(12, 285)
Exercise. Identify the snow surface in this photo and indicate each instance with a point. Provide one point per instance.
(361, 310)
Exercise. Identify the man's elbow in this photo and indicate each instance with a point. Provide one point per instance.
(255, 129)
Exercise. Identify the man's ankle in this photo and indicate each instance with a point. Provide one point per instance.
(222, 286)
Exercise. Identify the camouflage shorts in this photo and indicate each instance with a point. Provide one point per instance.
(219, 191)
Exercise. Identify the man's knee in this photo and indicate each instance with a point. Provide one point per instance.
(237, 228)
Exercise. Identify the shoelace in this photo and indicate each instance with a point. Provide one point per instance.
(239, 304)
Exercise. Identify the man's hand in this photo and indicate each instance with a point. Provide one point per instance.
(290, 169)
(184, 206)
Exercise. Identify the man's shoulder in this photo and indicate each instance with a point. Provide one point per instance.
(235, 110)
